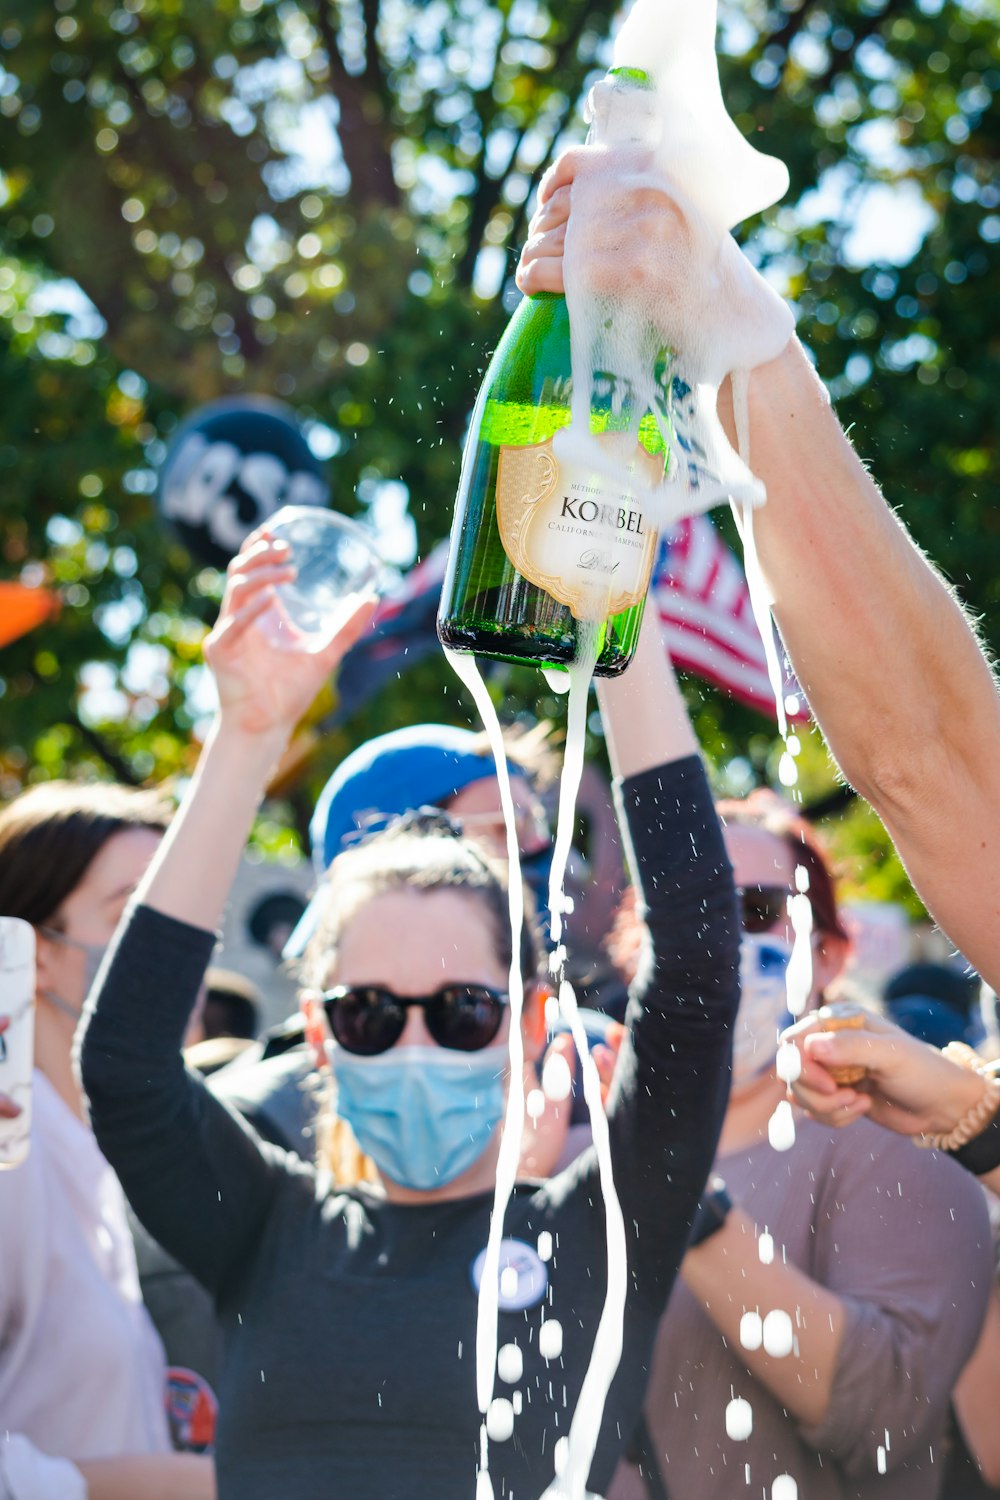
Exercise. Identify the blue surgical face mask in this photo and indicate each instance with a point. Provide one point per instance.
(93, 957)
(763, 1011)
(423, 1114)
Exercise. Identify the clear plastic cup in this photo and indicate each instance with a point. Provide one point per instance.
(336, 564)
(17, 1043)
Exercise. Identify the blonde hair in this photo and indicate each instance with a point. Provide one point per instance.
(531, 748)
(337, 1151)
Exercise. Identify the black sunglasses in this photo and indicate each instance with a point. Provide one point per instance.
(368, 1019)
(762, 906)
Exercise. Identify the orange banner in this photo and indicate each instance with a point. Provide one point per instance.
(22, 609)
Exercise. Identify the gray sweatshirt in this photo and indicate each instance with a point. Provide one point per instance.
(902, 1237)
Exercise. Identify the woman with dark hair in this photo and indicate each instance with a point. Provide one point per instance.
(70, 856)
(82, 1373)
(773, 818)
(350, 1309)
(842, 1285)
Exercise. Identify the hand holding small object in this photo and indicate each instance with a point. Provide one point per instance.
(908, 1086)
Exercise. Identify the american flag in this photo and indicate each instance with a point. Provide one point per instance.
(709, 629)
(403, 633)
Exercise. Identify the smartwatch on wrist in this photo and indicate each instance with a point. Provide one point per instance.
(712, 1212)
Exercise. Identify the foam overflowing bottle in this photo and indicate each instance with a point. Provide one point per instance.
(552, 533)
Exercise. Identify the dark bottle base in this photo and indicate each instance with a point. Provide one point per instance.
(520, 650)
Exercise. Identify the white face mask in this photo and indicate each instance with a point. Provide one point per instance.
(763, 1011)
(93, 957)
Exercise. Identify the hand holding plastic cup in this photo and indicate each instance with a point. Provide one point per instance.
(336, 564)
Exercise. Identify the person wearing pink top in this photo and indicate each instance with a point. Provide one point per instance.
(82, 1371)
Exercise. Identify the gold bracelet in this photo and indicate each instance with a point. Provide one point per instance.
(975, 1121)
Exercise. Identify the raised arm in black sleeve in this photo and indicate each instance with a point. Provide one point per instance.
(198, 1179)
(669, 1094)
(672, 1083)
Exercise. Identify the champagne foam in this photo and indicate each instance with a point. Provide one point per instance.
(487, 1323)
(694, 294)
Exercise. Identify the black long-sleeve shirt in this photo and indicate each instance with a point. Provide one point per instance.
(350, 1322)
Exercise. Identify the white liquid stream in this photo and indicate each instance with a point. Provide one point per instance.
(510, 1143)
(576, 1453)
(799, 974)
(580, 675)
(577, 1456)
(776, 1331)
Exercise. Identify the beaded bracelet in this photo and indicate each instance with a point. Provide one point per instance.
(982, 1113)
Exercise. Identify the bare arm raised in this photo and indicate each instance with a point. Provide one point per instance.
(644, 716)
(891, 665)
(263, 692)
(888, 660)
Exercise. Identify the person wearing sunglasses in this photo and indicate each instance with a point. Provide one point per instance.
(423, 766)
(840, 1286)
(349, 1306)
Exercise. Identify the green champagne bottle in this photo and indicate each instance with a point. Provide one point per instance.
(539, 545)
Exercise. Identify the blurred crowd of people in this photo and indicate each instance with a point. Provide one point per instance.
(861, 1345)
(244, 1260)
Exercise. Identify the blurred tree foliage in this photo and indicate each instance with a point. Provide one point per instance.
(322, 199)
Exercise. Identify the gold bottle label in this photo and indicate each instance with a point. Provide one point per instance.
(575, 532)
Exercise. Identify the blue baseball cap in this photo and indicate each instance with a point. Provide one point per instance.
(423, 766)
(929, 1019)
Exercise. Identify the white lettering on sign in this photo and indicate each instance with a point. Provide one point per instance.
(201, 489)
